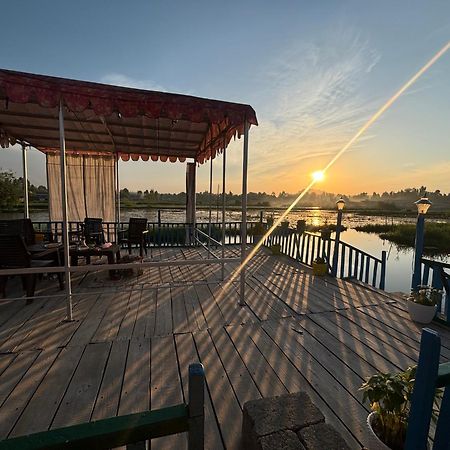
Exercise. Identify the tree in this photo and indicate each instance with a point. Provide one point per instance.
(10, 189)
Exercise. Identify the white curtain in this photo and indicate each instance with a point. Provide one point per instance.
(90, 187)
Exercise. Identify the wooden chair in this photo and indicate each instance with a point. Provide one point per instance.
(93, 230)
(430, 375)
(136, 234)
(14, 255)
(25, 228)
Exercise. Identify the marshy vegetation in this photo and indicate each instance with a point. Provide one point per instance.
(437, 235)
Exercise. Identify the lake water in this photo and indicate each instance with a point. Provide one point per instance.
(399, 260)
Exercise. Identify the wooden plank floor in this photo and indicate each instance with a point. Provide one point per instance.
(132, 341)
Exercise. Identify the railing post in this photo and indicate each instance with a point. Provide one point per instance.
(196, 434)
(336, 243)
(383, 270)
(416, 278)
(424, 391)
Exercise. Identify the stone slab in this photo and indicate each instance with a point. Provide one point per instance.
(322, 436)
(282, 440)
(270, 415)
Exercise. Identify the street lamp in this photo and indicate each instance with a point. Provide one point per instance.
(422, 207)
(340, 204)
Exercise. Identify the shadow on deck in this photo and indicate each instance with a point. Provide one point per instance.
(133, 339)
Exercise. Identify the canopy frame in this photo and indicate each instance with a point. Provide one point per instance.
(69, 116)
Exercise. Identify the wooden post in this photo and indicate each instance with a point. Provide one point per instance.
(159, 217)
(196, 434)
(418, 251)
(383, 269)
(424, 391)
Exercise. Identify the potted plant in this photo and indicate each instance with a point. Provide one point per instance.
(301, 226)
(389, 396)
(275, 249)
(320, 266)
(257, 232)
(422, 303)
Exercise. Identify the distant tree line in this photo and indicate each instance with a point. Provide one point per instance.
(11, 195)
(11, 191)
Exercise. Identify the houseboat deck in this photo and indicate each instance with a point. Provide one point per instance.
(132, 341)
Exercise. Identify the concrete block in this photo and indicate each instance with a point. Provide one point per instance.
(270, 415)
(322, 436)
(282, 440)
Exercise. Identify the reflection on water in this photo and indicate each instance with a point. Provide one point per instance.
(399, 261)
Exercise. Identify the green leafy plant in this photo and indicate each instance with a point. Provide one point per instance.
(425, 295)
(389, 396)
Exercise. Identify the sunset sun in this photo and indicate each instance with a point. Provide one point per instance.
(318, 175)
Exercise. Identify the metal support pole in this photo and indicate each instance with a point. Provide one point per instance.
(118, 189)
(116, 174)
(65, 237)
(26, 211)
(418, 251)
(336, 243)
(224, 168)
(244, 215)
(210, 202)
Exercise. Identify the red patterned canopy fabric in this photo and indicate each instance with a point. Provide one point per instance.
(101, 119)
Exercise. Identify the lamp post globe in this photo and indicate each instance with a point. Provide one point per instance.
(340, 204)
(423, 205)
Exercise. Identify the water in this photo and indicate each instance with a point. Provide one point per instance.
(399, 260)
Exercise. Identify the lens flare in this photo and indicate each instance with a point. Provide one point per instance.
(359, 133)
(318, 176)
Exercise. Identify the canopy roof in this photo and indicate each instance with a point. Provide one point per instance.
(105, 119)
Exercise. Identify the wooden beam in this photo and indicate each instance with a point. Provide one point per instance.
(27, 115)
(9, 126)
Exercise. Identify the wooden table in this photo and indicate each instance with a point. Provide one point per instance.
(112, 253)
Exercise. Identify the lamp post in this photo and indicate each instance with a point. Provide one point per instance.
(340, 204)
(422, 207)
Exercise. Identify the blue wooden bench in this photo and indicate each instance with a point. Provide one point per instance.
(129, 429)
(430, 375)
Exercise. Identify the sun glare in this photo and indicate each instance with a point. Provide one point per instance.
(319, 175)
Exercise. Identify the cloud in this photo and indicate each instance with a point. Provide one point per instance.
(312, 103)
(120, 79)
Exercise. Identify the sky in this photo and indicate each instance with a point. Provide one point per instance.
(313, 71)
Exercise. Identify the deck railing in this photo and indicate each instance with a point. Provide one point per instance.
(131, 430)
(434, 273)
(304, 247)
(161, 234)
(352, 262)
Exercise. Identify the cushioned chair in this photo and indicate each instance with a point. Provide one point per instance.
(14, 255)
(136, 234)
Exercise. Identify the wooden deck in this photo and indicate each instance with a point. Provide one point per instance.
(132, 342)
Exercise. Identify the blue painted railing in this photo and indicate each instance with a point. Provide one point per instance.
(352, 262)
(430, 375)
(435, 273)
